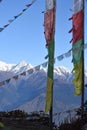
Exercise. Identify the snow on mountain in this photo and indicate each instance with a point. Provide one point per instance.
(5, 67)
(62, 73)
(21, 67)
(29, 92)
(9, 70)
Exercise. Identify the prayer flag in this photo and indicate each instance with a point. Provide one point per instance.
(77, 45)
(24, 9)
(1, 29)
(6, 25)
(49, 27)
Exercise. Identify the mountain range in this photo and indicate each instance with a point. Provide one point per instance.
(28, 92)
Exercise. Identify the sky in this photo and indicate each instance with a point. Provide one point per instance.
(24, 40)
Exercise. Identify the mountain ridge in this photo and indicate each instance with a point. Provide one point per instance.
(24, 66)
(29, 92)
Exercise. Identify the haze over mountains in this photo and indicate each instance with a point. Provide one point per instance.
(28, 92)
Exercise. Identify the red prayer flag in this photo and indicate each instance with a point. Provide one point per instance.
(49, 24)
(28, 5)
(77, 26)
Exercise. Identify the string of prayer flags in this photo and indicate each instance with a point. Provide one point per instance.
(16, 16)
(37, 68)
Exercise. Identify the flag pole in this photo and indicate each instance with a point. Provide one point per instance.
(49, 31)
(82, 96)
(51, 118)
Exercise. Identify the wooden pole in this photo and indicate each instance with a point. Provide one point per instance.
(82, 96)
(51, 119)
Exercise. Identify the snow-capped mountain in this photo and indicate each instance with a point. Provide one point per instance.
(5, 67)
(22, 66)
(28, 92)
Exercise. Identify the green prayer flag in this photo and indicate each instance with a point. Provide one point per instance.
(49, 94)
(77, 51)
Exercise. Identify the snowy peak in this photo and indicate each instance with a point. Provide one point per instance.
(61, 70)
(5, 67)
(22, 66)
(22, 63)
(63, 74)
